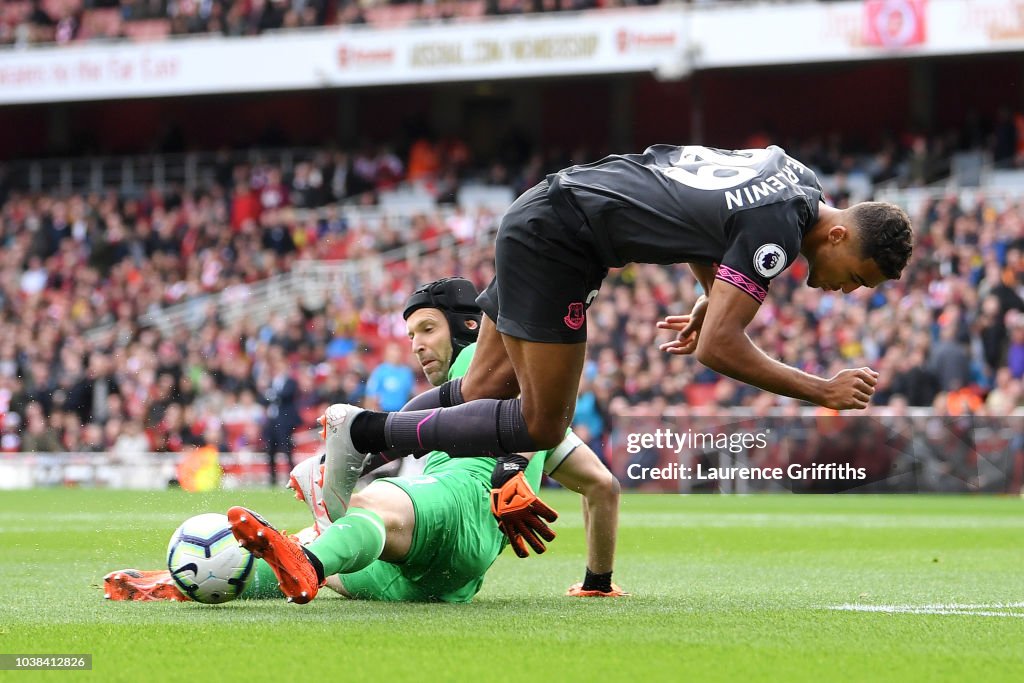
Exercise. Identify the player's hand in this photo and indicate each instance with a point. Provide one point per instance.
(850, 389)
(687, 328)
(521, 515)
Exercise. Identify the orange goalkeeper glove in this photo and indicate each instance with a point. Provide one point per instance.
(520, 513)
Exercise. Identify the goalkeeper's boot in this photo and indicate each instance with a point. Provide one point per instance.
(576, 591)
(344, 464)
(307, 480)
(141, 586)
(285, 556)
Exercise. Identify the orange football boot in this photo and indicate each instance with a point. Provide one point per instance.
(576, 591)
(284, 555)
(141, 586)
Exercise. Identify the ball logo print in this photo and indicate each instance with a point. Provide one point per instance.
(769, 260)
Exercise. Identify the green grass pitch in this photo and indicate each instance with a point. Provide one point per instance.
(725, 588)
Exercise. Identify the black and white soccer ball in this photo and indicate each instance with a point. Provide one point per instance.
(206, 562)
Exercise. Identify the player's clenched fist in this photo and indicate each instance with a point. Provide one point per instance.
(850, 389)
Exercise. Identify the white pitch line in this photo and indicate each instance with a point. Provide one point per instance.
(1017, 615)
(985, 610)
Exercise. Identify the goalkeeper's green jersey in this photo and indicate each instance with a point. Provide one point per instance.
(479, 467)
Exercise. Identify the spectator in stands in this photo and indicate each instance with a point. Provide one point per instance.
(89, 396)
(267, 15)
(273, 194)
(991, 332)
(391, 383)
(244, 411)
(330, 390)
(1015, 353)
(424, 161)
(10, 439)
(71, 433)
(949, 360)
(92, 439)
(306, 186)
(351, 13)
(279, 395)
(38, 437)
(354, 386)
(1006, 395)
(41, 24)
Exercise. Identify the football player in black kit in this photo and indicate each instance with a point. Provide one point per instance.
(738, 218)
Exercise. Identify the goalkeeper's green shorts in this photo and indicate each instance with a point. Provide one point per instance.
(455, 541)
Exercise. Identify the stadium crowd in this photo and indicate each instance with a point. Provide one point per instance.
(949, 335)
(25, 22)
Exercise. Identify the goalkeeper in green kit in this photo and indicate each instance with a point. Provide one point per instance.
(435, 533)
(425, 538)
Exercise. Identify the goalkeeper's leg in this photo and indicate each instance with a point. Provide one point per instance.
(379, 524)
(349, 545)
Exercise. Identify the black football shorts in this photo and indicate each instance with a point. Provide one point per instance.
(546, 272)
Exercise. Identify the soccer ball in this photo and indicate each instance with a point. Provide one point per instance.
(205, 560)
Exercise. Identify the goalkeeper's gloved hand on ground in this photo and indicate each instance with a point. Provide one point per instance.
(520, 513)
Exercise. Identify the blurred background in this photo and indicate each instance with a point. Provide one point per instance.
(211, 212)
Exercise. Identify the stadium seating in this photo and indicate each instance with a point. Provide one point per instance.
(72, 278)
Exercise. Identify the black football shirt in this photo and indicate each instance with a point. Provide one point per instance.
(744, 210)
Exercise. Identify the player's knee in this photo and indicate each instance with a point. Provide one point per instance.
(608, 484)
(371, 499)
(388, 502)
(546, 418)
(546, 433)
(360, 500)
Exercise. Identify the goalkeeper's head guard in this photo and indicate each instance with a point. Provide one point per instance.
(456, 298)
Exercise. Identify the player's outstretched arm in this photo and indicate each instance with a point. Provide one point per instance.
(724, 347)
(584, 473)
